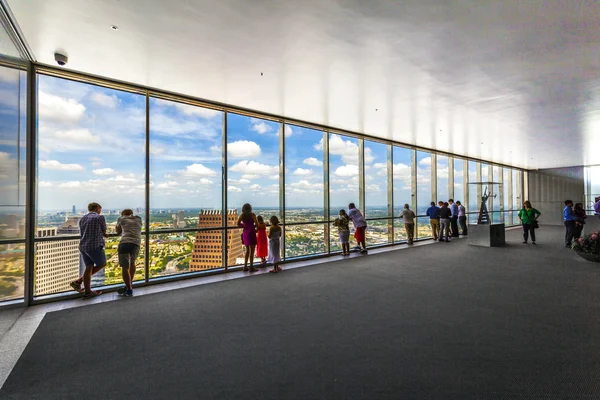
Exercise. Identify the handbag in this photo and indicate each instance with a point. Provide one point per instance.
(535, 224)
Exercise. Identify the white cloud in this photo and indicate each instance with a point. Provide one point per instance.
(255, 186)
(95, 161)
(56, 108)
(313, 162)
(239, 181)
(198, 170)
(80, 135)
(345, 148)
(70, 185)
(425, 161)
(233, 189)
(303, 172)
(254, 168)
(243, 149)
(249, 176)
(104, 171)
(288, 131)
(216, 149)
(260, 126)
(56, 165)
(105, 100)
(346, 171)
(45, 184)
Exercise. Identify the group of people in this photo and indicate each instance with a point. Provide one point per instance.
(91, 246)
(255, 237)
(444, 219)
(574, 219)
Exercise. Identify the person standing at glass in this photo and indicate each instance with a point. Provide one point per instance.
(453, 217)
(342, 224)
(360, 225)
(248, 222)
(409, 222)
(570, 219)
(274, 244)
(262, 245)
(129, 226)
(462, 218)
(91, 245)
(597, 206)
(528, 215)
(579, 212)
(433, 212)
(445, 215)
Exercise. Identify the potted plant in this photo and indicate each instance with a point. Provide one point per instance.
(588, 246)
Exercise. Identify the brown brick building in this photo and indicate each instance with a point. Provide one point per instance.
(207, 253)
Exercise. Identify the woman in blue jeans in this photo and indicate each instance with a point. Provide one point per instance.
(528, 216)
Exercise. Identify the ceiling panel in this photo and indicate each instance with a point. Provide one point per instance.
(513, 82)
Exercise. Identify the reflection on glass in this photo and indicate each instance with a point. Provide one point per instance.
(378, 232)
(12, 152)
(402, 178)
(343, 173)
(424, 196)
(399, 231)
(304, 240)
(515, 194)
(442, 178)
(12, 271)
(304, 175)
(172, 253)
(253, 164)
(423, 228)
(474, 196)
(91, 149)
(185, 164)
(459, 181)
(505, 196)
(58, 263)
(376, 182)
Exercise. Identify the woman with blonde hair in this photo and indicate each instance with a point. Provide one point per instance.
(528, 217)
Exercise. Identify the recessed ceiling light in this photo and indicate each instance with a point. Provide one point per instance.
(261, 74)
(114, 27)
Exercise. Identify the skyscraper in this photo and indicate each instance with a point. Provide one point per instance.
(208, 248)
(57, 263)
(74, 210)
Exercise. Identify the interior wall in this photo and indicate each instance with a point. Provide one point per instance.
(549, 188)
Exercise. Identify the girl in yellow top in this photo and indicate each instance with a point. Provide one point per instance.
(528, 216)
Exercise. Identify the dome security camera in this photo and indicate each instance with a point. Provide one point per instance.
(61, 59)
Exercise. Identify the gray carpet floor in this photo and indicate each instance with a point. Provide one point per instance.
(445, 321)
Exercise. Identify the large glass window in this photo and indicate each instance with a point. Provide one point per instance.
(424, 193)
(343, 173)
(304, 175)
(12, 181)
(376, 192)
(253, 172)
(497, 216)
(403, 165)
(516, 196)
(304, 198)
(442, 178)
(474, 193)
(592, 187)
(91, 148)
(506, 200)
(459, 181)
(185, 164)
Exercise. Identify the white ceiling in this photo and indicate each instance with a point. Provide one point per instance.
(523, 77)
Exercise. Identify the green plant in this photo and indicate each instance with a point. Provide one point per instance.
(589, 244)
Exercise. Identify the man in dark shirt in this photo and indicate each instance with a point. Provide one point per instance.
(445, 215)
(433, 213)
(453, 218)
(93, 231)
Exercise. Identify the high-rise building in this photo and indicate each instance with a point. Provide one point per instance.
(74, 211)
(180, 220)
(208, 247)
(13, 222)
(57, 263)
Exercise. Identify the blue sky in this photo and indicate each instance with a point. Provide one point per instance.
(91, 147)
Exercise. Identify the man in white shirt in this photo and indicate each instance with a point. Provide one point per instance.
(129, 226)
(462, 218)
(409, 222)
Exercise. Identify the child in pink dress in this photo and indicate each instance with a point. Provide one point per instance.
(262, 243)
